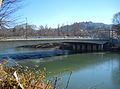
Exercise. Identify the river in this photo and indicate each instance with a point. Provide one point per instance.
(99, 70)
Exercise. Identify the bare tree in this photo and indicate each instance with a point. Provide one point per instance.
(8, 7)
(116, 24)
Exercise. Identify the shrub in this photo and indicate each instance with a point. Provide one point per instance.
(18, 77)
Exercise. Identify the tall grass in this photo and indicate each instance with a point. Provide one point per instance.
(18, 77)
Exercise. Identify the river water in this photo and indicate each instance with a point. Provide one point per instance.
(99, 70)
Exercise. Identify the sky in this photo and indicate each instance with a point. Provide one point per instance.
(54, 12)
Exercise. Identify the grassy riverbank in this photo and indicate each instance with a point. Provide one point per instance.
(18, 77)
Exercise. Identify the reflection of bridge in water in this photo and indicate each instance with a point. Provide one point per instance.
(77, 43)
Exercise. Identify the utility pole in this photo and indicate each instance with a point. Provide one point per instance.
(67, 29)
(62, 30)
(26, 28)
(58, 30)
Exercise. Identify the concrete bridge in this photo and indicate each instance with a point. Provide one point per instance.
(82, 43)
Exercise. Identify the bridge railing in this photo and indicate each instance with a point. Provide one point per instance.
(55, 38)
(83, 34)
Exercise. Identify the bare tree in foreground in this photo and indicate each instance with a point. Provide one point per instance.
(8, 7)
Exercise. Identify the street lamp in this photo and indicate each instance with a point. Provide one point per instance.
(26, 29)
(58, 30)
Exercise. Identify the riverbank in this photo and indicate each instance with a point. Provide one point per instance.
(115, 49)
(17, 77)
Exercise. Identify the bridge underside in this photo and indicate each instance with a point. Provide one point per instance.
(15, 43)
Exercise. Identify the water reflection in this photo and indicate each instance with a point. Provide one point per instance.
(21, 54)
(96, 70)
(116, 73)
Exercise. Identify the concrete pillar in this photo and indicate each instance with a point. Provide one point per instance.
(99, 47)
(78, 48)
(83, 48)
(86, 48)
(73, 47)
(89, 47)
(94, 48)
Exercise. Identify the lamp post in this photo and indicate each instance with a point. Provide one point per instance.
(26, 29)
(58, 30)
(67, 29)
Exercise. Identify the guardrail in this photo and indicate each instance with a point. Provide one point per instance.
(63, 38)
(51, 37)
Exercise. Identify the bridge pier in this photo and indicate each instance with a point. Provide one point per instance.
(78, 48)
(74, 47)
(94, 47)
(99, 47)
(87, 47)
(82, 47)
(102, 47)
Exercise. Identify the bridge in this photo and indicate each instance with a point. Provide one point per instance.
(15, 42)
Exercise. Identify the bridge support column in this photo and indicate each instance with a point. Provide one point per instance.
(78, 48)
(88, 47)
(83, 48)
(97, 47)
(94, 48)
(101, 46)
(73, 47)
